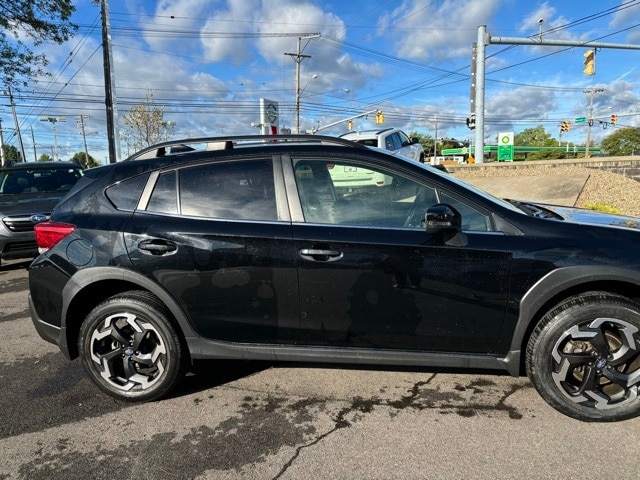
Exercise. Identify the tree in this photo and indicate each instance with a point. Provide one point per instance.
(42, 21)
(624, 141)
(426, 141)
(145, 125)
(45, 157)
(81, 157)
(11, 153)
(535, 137)
(538, 137)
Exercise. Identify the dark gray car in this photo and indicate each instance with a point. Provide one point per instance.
(28, 193)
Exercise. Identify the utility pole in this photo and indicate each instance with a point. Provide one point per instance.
(15, 121)
(298, 57)
(80, 122)
(1, 145)
(33, 140)
(113, 138)
(591, 92)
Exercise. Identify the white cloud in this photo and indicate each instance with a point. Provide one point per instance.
(439, 30)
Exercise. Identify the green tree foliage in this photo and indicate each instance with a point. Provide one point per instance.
(11, 153)
(45, 157)
(82, 158)
(624, 141)
(30, 22)
(535, 137)
(426, 141)
(538, 137)
(145, 125)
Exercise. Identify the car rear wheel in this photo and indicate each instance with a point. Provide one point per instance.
(584, 357)
(130, 348)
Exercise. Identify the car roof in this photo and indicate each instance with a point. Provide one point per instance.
(39, 165)
(255, 142)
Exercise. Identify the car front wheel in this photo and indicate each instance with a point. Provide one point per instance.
(584, 357)
(130, 348)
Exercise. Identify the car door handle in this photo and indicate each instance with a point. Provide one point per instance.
(320, 255)
(157, 247)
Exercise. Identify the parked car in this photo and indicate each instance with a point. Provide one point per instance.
(392, 139)
(250, 251)
(28, 193)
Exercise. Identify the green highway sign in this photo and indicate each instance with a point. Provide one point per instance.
(581, 119)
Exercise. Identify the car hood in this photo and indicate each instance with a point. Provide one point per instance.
(592, 217)
(28, 204)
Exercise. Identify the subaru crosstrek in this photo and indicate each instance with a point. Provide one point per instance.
(244, 248)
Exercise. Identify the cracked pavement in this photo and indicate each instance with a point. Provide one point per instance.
(256, 420)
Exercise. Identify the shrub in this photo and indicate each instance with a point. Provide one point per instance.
(602, 207)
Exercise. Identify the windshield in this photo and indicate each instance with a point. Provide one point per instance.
(38, 180)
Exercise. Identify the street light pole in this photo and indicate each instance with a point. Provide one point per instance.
(53, 121)
(591, 92)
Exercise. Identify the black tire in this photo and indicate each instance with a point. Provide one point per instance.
(584, 357)
(130, 349)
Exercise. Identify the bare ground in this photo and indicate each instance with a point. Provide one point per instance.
(601, 187)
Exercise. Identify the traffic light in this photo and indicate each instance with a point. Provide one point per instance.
(379, 117)
(565, 126)
(349, 124)
(589, 62)
(614, 119)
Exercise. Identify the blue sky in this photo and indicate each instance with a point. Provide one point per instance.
(208, 62)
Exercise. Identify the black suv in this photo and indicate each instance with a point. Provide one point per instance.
(260, 248)
(28, 193)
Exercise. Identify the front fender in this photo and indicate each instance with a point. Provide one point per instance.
(551, 287)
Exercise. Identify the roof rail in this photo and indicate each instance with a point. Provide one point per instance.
(230, 142)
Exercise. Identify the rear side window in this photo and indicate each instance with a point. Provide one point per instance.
(237, 191)
(126, 194)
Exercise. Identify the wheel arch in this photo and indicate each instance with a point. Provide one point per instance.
(557, 286)
(90, 287)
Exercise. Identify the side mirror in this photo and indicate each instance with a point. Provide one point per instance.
(414, 140)
(441, 218)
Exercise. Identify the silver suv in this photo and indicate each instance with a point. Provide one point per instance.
(28, 193)
(391, 139)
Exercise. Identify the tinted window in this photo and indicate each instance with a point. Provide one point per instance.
(352, 193)
(126, 194)
(472, 218)
(404, 140)
(388, 143)
(164, 198)
(239, 190)
(38, 180)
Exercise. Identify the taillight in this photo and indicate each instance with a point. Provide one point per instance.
(50, 233)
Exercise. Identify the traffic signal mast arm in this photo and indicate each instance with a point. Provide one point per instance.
(370, 112)
(478, 70)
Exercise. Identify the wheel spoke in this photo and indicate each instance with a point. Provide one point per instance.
(589, 380)
(623, 379)
(576, 359)
(118, 336)
(129, 369)
(599, 342)
(138, 338)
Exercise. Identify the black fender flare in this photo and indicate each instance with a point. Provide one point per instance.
(552, 285)
(88, 276)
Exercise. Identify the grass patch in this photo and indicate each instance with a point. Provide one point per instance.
(602, 207)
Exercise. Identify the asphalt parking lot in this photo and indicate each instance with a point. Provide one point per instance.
(253, 420)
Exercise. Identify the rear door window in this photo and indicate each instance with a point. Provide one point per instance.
(241, 190)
